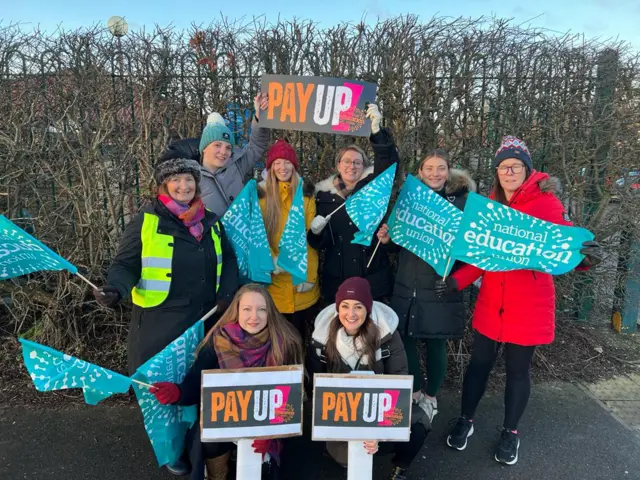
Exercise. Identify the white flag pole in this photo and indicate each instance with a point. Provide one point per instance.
(374, 253)
(87, 281)
(209, 313)
(148, 385)
(446, 268)
(329, 216)
(360, 465)
(248, 463)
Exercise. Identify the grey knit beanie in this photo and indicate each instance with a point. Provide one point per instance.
(176, 166)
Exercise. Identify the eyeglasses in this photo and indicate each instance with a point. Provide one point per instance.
(515, 169)
(349, 163)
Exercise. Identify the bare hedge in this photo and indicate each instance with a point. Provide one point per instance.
(83, 115)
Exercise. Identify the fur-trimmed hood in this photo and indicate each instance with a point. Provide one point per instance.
(460, 182)
(551, 184)
(382, 315)
(308, 188)
(327, 185)
(538, 182)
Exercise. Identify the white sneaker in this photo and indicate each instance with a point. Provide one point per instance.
(430, 406)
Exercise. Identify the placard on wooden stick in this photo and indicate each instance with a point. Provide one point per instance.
(251, 403)
(362, 407)
(317, 104)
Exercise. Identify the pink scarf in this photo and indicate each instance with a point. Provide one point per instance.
(191, 215)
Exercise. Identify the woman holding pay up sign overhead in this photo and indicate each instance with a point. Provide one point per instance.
(514, 308)
(424, 315)
(357, 333)
(251, 333)
(332, 232)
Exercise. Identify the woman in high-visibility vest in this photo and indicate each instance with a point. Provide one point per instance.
(251, 333)
(174, 261)
(297, 303)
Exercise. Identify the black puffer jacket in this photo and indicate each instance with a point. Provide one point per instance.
(391, 358)
(342, 259)
(421, 313)
(193, 280)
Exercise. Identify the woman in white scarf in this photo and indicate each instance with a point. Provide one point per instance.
(357, 333)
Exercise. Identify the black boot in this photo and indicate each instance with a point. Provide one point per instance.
(399, 473)
(271, 470)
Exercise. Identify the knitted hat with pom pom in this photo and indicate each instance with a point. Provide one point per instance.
(215, 131)
(513, 147)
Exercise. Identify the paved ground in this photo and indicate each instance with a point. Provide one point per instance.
(621, 396)
(566, 434)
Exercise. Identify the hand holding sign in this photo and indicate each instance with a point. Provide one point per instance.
(260, 102)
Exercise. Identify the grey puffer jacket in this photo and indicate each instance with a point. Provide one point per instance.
(219, 189)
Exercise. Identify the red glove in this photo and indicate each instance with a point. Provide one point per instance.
(166, 393)
(260, 446)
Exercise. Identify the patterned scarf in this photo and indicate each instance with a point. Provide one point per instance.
(236, 348)
(342, 187)
(190, 215)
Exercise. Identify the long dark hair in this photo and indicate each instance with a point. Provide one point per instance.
(286, 345)
(370, 339)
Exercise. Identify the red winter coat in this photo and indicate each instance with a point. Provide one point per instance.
(518, 306)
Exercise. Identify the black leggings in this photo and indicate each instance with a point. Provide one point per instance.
(518, 366)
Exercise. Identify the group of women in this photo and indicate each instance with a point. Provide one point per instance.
(176, 264)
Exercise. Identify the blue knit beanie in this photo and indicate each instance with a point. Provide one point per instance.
(215, 131)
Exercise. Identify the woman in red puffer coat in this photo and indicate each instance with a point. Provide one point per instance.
(514, 308)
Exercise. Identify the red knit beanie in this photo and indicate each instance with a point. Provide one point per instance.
(282, 149)
(355, 288)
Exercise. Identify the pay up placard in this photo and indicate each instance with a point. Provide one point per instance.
(251, 403)
(317, 104)
(361, 407)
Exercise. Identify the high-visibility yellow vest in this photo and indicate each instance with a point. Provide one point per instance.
(157, 253)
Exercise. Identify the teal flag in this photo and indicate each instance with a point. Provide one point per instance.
(21, 254)
(425, 224)
(497, 238)
(260, 261)
(244, 227)
(167, 425)
(367, 206)
(293, 243)
(53, 370)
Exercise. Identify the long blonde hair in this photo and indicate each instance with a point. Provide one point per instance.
(286, 344)
(273, 211)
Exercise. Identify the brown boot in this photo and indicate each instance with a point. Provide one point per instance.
(218, 467)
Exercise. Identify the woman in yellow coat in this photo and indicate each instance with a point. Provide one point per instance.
(296, 303)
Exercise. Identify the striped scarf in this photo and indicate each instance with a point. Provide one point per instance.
(190, 215)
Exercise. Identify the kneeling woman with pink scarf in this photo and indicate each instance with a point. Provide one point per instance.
(251, 333)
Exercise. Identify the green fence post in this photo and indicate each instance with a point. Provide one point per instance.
(607, 74)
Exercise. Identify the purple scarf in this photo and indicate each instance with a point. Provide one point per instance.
(190, 215)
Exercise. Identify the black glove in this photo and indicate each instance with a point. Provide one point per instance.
(593, 254)
(107, 296)
(445, 287)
